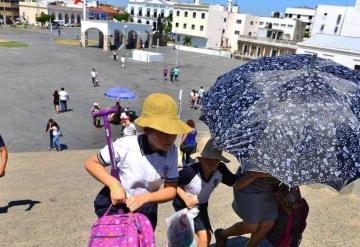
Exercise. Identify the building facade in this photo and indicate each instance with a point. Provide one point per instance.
(204, 24)
(303, 14)
(9, 11)
(337, 20)
(148, 11)
(341, 49)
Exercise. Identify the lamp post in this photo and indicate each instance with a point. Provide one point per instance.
(4, 15)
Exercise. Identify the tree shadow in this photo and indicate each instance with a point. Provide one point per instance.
(30, 203)
(241, 242)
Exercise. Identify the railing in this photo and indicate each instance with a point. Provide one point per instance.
(279, 41)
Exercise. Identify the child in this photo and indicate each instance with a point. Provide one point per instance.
(198, 181)
(145, 162)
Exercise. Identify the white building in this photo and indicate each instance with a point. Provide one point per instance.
(148, 11)
(304, 14)
(288, 29)
(205, 24)
(239, 24)
(341, 49)
(337, 20)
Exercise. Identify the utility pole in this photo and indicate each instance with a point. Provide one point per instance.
(84, 10)
(4, 15)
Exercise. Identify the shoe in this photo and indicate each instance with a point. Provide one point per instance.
(49, 148)
(220, 242)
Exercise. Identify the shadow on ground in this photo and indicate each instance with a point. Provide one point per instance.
(30, 203)
(241, 242)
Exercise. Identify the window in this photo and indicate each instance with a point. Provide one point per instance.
(148, 22)
(184, 26)
(192, 26)
(177, 24)
(185, 13)
(283, 25)
(261, 23)
(237, 32)
(336, 29)
(202, 15)
(224, 19)
(131, 11)
(249, 33)
(201, 28)
(276, 24)
(155, 12)
(178, 13)
(251, 23)
(298, 16)
(310, 17)
(194, 14)
(325, 16)
(162, 13)
(140, 12)
(239, 21)
(148, 12)
(290, 15)
(322, 28)
(338, 20)
(290, 25)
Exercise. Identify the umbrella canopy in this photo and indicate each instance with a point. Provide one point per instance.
(294, 117)
(120, 93)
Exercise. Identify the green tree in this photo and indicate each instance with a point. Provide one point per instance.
(43, 18)
(122, 17)
(187, 40)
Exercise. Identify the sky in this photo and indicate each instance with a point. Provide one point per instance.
(261, 7)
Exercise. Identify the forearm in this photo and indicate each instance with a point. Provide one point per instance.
(182, 194)
(98, 171)
(163, 195)
(4, 157)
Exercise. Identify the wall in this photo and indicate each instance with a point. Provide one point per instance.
(216, 25)
(330, 20)
(30, 10)
(203, 51)
(292, 28)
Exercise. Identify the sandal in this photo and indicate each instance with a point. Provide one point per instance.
(220, 241)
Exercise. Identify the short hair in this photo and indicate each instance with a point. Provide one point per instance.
(62, 89)
(190, 123)
(51, 120)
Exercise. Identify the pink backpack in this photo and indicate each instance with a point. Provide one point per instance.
(122, 230)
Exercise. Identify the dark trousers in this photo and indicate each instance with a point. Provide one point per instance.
(171, 77)
(51, 141)
(93, 79)
(63, 104)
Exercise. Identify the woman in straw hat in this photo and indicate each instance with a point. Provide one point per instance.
(145, 161)
(198, 181)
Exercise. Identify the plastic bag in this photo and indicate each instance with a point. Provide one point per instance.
(180, 228)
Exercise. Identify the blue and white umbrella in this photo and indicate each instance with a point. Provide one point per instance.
(295, 117)
(120, 93)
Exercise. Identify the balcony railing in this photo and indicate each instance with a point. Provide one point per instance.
(278, 41)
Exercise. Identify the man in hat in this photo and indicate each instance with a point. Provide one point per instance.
(4, 157)
(147, 162)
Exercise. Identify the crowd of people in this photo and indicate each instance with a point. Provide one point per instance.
(174, 73)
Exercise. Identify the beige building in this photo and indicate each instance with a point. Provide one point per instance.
(9, 11)
(30, 10)
(205, 24)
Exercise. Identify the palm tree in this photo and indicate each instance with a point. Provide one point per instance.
(187, 40)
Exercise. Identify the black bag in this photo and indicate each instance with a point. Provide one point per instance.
(187, 149)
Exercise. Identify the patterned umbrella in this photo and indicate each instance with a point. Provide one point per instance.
(295, 117)
(120, 93)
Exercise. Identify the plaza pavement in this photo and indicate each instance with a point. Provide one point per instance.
(30, 76)
(46, 197)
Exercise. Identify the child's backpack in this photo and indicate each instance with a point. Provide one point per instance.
(287, 230)
(122, 230)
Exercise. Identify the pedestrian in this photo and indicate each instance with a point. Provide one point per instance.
(201, 93)
(188, 143)
(4, 156)
(93, 74)
(147, 162)
(196, 184)
(172, 74)
(165, 72)
(57, 134)
(96, 120)
(193, 99)
(59, 32)
(123, 60)
(56, 101)
(114, 55)
(64, 98)
(176, 73)
(255, 204)
(49, 124)
(129, 128)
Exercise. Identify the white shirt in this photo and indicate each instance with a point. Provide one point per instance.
(63, 95)
(55, 130)
(201, 92)
(122, 59)
(129, 130)
(93, 74)
(140, 171)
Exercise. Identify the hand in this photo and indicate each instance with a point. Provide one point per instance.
(2, 170)
(135, 202)
(118, 195)
(191, 201)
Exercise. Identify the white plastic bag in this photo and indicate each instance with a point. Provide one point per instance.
(180, 228)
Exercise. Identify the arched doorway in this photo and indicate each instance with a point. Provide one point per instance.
(132, 40)
(94, 38)
(72, 18)
(66, 18)
(145, 36)
(78, 19)
(117, 40)
(139, 21)
(60, 16)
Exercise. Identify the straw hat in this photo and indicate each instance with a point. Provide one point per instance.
(206, 149)
(159, 112)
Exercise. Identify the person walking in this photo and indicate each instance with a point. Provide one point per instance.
(49, 129)
(95, 108)
(4, 156)
(64, 97)
(165, 72)
(57, 134)
(115, 57)
(188, 143)
(172, 74)
(93, 74)
(123, 60)
(56, 101)
(193, 99)
(176, 73)
(201, 93)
